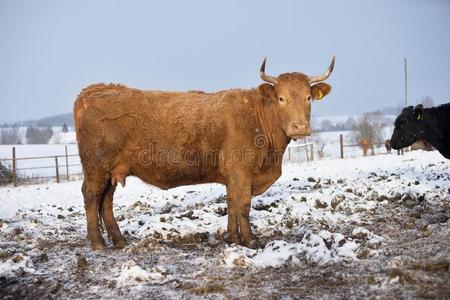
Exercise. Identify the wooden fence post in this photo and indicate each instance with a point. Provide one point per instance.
(57, 169)
(312, 152)
(289, 153)
(67, 165)
(341, 141)
(14, 171)
(306, 150)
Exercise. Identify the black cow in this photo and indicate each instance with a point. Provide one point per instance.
(387, 144)
(429, 124)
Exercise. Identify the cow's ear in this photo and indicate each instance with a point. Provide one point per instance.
(320, 90)
(418, 112)
(267, 93)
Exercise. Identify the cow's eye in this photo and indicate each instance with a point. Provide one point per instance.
(309, 98)
(281, 99)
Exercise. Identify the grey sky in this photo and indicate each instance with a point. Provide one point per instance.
(50, 50)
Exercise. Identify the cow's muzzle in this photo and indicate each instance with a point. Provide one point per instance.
(395, 145)
(298, 130)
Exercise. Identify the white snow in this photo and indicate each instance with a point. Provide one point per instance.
(63, 138)
(15, 264)
(132, 274)
(313, 213)
(277, 253)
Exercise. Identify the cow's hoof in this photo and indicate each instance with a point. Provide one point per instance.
(233, 239)
(98, 245)
(120, 244)
(253, 244)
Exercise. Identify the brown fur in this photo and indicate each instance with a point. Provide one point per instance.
(234, 137)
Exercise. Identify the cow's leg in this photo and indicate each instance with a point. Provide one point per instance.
(233, 225)
(92, 193)
(239, 201)
(108, 218)
(247, 237)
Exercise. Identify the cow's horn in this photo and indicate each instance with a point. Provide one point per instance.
(324, 76)
(263, 75)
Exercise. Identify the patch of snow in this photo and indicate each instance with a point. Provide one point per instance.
(63, 138)
(132, 274)
(17, 263)
(319, 248)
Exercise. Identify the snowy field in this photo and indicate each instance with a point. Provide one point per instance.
(355, 228)
(332, 143)
(42, 166)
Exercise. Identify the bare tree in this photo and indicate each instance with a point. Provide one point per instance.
(36, 135)
(326, 125)
(349, 123)
(370, 126)
(65, 128)
(10, 136)
(319, 144)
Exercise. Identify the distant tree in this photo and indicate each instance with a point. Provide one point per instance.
(10, 136)
(326, 125)
(64, 128)
(341, 126)
(319, 144)
(427, 102)
(349, 123)
(36, 135)
(370, 126)
(56, 120)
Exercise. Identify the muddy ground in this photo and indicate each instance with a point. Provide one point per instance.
(411, 261)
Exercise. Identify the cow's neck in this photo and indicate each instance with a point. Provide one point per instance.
(438, 128)
(268, 127)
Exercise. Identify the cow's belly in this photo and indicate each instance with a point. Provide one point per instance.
(171, 177)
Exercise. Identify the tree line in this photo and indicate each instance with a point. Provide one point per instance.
(33, 135)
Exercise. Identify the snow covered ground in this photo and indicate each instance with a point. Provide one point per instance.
(375, 226)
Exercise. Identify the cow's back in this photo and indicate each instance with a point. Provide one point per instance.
(135, 130)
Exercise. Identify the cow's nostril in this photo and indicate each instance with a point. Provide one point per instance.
(296, 127)
(299, 128)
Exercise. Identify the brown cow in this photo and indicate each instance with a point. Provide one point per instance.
(365, 144)
(234, 137)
